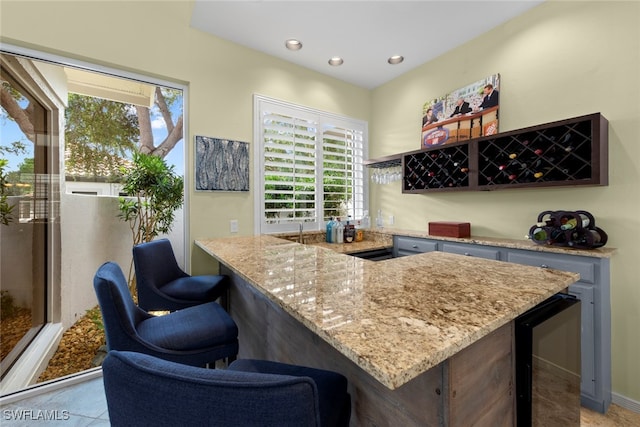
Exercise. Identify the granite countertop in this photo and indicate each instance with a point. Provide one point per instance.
(373, 240)
(395, 318)
(381, 238)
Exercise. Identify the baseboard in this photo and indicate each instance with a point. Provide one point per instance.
(625, 402)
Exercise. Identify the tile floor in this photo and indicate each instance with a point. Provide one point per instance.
(79, 405)
(84, 404)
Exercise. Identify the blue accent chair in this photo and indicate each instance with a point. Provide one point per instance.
(163, 285)
(194, 336)
(142, 390)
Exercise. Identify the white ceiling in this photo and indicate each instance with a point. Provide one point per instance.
(364, 33)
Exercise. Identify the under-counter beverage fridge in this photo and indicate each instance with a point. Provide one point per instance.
(548, 363)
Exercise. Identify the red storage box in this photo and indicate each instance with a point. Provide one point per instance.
(450, 229)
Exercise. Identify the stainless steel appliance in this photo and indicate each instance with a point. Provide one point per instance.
(548, 363)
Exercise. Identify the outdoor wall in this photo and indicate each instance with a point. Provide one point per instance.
(560, 60)
(89, 225)
(16, 260)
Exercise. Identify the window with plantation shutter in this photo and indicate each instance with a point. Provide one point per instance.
(310, 167)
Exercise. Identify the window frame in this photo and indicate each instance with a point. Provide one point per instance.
(321, 119)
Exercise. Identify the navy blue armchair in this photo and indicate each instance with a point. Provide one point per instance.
(144, 390)
(163, 285)
(194, 336)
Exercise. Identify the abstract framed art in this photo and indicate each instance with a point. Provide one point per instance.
(221, 164)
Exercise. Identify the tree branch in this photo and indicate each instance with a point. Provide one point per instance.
(146, 135)
(21, 116)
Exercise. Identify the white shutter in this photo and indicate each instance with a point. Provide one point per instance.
(289, 170)
(308, 167)
(343, 172)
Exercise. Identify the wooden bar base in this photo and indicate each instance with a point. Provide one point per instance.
(474, 387)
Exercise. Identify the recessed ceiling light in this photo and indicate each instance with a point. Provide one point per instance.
(335, 61)
(293, 44)
(395, 59)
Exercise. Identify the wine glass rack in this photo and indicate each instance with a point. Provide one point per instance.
(564, 153)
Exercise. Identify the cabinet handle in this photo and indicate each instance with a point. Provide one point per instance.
(544, 266)
(414, 246)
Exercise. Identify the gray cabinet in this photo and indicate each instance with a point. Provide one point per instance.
(487, 252)
(592, 289)
(403, 246)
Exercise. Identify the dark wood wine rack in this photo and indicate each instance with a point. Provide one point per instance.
(444, 168)
(563, 153)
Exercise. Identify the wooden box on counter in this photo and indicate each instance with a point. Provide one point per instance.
(450, 229)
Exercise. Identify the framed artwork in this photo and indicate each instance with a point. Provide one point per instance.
(221, 164)
(465, 113)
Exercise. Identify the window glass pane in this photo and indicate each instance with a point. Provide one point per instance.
(25, 150)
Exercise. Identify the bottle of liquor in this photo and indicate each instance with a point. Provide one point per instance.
(329, 230)
(339, 232)
(349, 231)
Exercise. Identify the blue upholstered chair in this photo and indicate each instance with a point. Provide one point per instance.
(144, 390)
(162, 285)
(194, 336)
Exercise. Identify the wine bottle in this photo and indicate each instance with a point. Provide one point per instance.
(566, 143)
(569, 223)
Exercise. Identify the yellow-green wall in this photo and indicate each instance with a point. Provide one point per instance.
(560, 60)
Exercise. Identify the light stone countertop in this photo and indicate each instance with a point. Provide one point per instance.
(395, 318)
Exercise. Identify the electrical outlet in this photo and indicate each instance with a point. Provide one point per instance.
(233, 225)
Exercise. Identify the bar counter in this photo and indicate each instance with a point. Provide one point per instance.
(394, 319)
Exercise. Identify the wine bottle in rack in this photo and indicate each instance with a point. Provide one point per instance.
(565, 142)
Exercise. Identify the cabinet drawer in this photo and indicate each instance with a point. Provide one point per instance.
(477, 251)
(415, 245)
(585, 269)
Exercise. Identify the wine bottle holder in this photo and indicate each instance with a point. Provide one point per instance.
(576, 229)
(445, 167)
(569, 152)
(557, 154)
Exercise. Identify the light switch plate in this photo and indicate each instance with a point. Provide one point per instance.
(233, 225)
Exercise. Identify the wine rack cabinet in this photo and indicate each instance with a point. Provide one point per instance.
(444, 168)
(564, 153)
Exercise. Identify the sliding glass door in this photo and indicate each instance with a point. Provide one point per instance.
(29, 209)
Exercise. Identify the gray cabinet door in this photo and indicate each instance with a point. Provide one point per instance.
(587, 344)
(404, 246)
(472, 250)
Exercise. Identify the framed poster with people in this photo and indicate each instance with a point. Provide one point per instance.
(468, 112)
